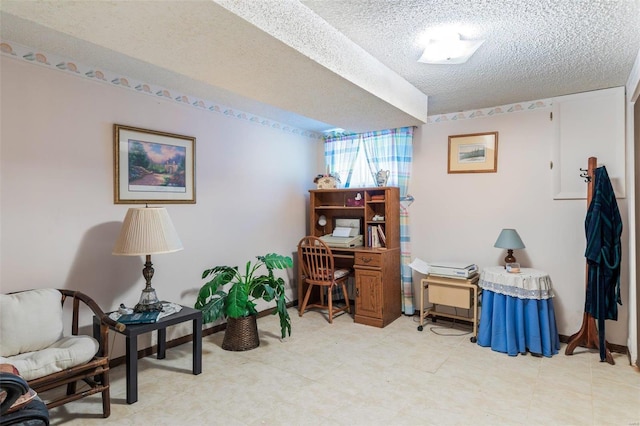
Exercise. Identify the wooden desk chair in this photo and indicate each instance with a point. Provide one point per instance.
(316, 260)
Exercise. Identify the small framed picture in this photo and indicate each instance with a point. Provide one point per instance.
(473, 153)
(153, 167)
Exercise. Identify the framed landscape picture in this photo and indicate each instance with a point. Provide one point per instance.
(153, 167)
(473, 153)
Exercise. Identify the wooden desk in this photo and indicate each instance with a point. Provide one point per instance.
(378, 292)
(132, 332)
(459, 293)
(378, 289)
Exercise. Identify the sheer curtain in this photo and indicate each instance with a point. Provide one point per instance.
(340, 153)
(384, 150)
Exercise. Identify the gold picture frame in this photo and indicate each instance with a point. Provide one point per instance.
(473, 153)
(153, 167)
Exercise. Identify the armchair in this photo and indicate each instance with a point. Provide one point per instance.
(32, 340)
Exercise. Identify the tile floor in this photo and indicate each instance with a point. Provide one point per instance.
(351, 374)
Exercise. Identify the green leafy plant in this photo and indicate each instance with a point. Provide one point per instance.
(245, 289)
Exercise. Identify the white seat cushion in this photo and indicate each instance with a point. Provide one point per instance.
(339, 273)
(30, 320)
(65, 353)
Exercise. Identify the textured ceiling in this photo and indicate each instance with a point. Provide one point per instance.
(319, 64)
(534, 49)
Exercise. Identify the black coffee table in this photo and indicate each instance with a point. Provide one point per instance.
(131, 333)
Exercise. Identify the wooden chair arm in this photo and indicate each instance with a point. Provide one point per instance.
(97, 311)
(105, 321)
(115, 324)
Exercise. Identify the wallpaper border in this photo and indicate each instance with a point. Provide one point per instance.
(28, 54)
(490, 112)
(52, 61)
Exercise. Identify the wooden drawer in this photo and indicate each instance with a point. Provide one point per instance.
(372, 260)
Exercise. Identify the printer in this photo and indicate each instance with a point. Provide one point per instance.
(453, 270)
(345, 234)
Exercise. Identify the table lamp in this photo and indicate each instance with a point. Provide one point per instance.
(510, 240)
(147, 231)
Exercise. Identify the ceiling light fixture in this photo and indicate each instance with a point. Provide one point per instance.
(449, 49)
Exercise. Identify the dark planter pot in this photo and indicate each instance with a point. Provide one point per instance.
(241, 334)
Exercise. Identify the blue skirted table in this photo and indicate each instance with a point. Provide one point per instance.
(517, 312)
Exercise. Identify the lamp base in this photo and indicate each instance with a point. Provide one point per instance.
(510, 258)
(148, 301)
(156, 307)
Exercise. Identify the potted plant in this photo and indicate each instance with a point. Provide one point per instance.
(238, 303)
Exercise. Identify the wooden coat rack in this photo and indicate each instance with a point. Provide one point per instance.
(588, 335)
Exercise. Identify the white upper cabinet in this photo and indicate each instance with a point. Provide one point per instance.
(589, 124)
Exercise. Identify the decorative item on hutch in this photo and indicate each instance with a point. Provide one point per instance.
(382, 177)
(327, 181)
(356, 201)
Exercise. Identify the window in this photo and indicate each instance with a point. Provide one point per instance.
(360, 174)
(358, 157)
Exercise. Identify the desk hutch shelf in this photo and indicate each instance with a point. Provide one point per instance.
(377, 269)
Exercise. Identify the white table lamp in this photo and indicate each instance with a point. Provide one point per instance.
(147, 231)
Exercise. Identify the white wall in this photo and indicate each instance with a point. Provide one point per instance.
(457, 217)
(58, 222)
(58, 219)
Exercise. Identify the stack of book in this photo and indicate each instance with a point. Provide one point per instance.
(139, 318)
(376, 236)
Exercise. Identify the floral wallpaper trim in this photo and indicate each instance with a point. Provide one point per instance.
(489, 112)
(17, 51)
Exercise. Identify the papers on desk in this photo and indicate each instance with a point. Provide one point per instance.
(420, 266)
(445, 269)
(341, 231)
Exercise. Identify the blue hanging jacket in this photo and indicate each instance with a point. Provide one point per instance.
(603, 226)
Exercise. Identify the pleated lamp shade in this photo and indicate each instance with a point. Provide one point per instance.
(147, 230)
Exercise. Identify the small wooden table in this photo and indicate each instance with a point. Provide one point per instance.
(457, 292)
(132, 332)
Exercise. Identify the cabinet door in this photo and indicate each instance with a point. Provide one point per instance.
(589, 124)
(369, 293)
